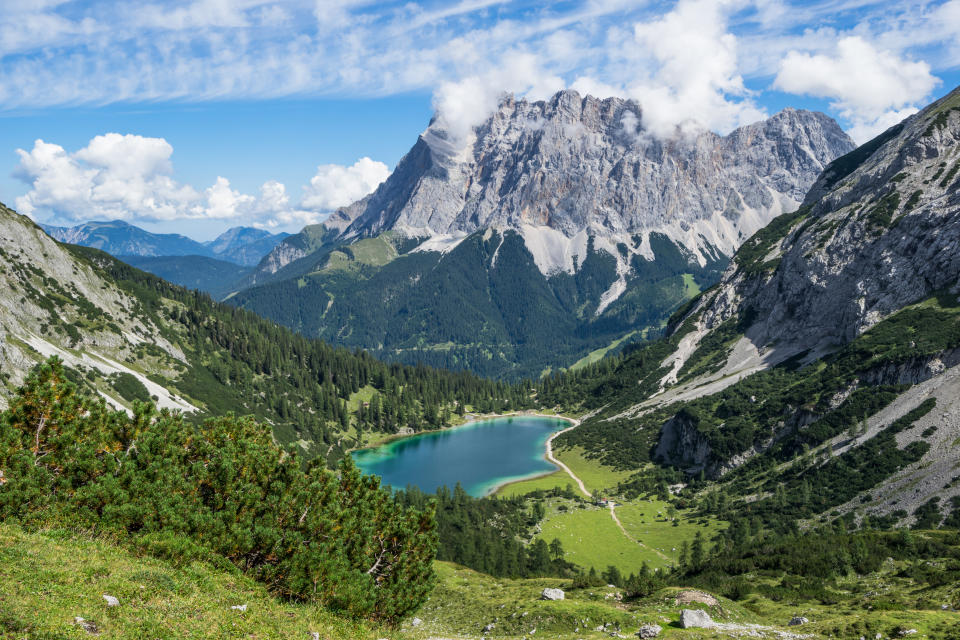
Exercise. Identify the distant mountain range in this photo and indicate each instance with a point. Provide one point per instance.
(560, 231)
(239, 245)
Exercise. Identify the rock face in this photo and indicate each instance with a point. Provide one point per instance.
(682, 444)
(882, 230)
(695, 619)
(561, 169)
(597, 228)
(552, 594)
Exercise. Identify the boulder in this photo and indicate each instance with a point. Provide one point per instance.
(416, 622)
(86, 625)
(111, 601)
(552, 594)
(695, 619)
(649, 631)
(239, 607)
(489, 628)
(797, 620)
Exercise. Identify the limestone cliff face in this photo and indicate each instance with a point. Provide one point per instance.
(575, 165)
(882, 230)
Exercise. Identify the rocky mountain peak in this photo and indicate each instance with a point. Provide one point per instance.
(573, 166)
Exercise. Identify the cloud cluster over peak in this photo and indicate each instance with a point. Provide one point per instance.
(129, 177)
(870, 88)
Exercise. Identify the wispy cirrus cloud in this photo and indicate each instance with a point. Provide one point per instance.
(99, 51)
(692, 63)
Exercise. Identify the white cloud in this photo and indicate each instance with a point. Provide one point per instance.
(696, 79)
(464, 104)
(683, 70)
(871, 88)
(337, 186)
(129, 177)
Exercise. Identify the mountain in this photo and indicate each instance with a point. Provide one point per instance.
(558, 232)
(213, 276)
(244, 245)
(820, 378)
(240, 245)
(119, 238)
(127, 335)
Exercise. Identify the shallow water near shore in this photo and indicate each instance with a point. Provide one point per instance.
(480, 455)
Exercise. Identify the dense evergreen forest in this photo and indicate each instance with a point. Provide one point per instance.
(487, 534)
(483, 306)
(244, 364)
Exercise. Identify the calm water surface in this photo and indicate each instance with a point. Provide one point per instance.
(479, 455)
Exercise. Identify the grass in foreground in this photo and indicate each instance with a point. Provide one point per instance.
(47, 579)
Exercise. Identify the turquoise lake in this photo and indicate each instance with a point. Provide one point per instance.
(479, 455)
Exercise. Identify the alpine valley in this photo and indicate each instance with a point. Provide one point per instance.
(557, 232)
(776, 454)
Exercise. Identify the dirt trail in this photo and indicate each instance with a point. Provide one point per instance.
(583, 489)
(551, 458)
(613, 514)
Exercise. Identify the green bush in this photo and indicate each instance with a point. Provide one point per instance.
(178, 490)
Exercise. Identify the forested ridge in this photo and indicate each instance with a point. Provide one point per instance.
(241, 363)
(484, 306)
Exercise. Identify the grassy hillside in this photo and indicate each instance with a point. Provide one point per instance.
(49, 578)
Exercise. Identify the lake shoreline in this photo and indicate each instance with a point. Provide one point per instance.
(480, 417)
(558, 425)
(549, 457)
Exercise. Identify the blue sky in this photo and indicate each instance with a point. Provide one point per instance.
(196, 115)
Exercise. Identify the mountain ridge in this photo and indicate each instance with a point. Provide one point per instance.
(241, 245)
(575, 181)
(825, 361)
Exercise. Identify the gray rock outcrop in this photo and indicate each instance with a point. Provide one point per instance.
(552, 594)
(649, 631)
(575, 163)
(695, 619)
(882, 231)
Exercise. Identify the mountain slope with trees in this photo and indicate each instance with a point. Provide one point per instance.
(129, 335)
(819, 379)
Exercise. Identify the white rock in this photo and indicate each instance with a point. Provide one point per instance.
(649, 631)
(695, 619)
(416, 622)
(86, 625)
(552, 594)
(111, 601)
(797, 620)
(239, 607)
